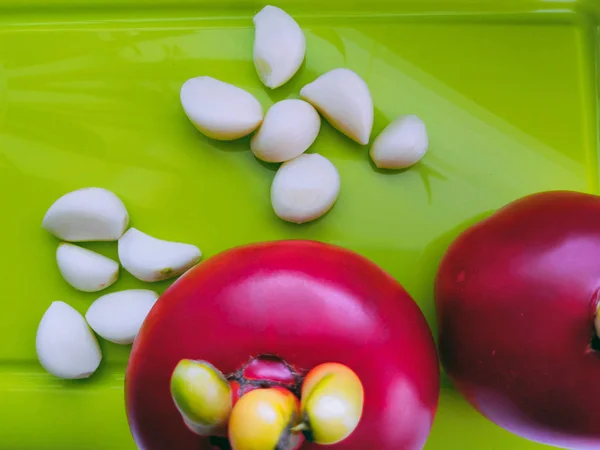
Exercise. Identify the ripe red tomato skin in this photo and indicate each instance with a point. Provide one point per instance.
(516, 296)
(307, 303)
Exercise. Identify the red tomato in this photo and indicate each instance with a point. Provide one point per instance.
(307, 303)
(516, 297)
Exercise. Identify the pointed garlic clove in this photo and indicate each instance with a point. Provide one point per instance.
(343, 98)
(263, 419)
(88, 214)
(65, 345)
(151, 259)
(305, 188)
(290, 127)
(401, 144)
(279, 46)
(202, 395)
(84, 269)
(220, 110)
(332, 403)
(118, 316)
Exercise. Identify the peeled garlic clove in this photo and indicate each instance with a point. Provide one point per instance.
(289, 128)
(88, 214)
(305, 188)
(343, 98)
(220, 110)
(401, 144)
(84, 269)
(65, 345)
(279, 46)
(150, 259)
(118, 316)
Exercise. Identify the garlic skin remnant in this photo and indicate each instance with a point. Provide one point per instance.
(118, 316)
(305, 188)
(220, 110)
(66, 346)
(401, 144)
(344, 99)
(84, 269)
(279, 46)
(290, 127)
(151, 259)
(88, 214)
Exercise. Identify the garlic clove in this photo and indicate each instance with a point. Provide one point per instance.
(151, 259)
(305, 188)
(84, 269)
(220, 110)
(343, 98)
(65, 345)
(88, 214)
(118, 316)
(290, 127)
(279, 46)
(401, 144)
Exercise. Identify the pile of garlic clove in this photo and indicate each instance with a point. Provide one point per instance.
(305, 187)
(66, 343)
(222, 111)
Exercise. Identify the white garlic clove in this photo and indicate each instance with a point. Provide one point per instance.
(84, 269)
(343, 98)
(118, 316)
(305, 188)
(65, 345)
(151, 259)
(88, 214)
(279, 46)
(220, 110)
(401, 144)
(290, 127)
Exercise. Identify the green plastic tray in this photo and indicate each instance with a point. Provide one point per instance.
(89, 96)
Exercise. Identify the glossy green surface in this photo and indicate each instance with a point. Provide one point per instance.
(89, 97)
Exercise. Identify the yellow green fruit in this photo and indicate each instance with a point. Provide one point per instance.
(332, 403)
(203, 396)
(262, 420)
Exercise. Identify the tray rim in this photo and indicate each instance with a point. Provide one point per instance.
(583, 8)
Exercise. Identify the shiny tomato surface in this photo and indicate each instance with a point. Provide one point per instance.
(516, 297)
(307, 303)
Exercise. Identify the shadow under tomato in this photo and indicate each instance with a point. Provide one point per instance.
(433, 254)
(428, 268)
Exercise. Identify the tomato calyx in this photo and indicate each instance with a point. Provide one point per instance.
(263, 372)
